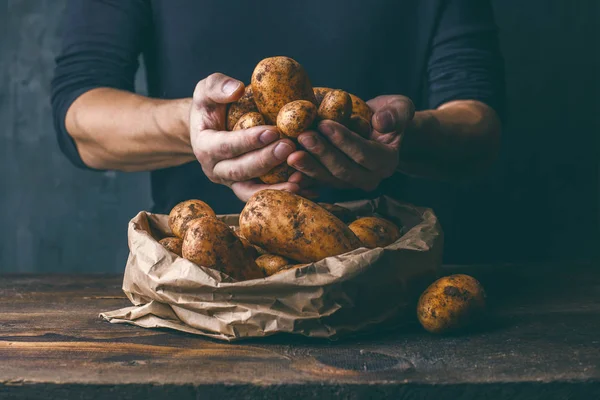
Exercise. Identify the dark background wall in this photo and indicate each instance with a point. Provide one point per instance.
(541, 199)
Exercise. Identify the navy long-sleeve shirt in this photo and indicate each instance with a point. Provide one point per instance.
(432, 51)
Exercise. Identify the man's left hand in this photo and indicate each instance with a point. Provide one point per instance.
(343, 159)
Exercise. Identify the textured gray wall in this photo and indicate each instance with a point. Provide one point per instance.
(542, 196)
(54, 217)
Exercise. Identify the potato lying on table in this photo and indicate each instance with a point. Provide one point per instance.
(211, 243)
(277, 81)
(296, 117)
(451, 303)
(244, 105)
(173, 244)
(186, 211)
(291, 226)
(375, 232)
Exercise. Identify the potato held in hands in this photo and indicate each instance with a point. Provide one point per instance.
(336, 106)
(451, 303)
(186, 211)
(243, 106)
(211, 243)
(277, 81)
(249, 120)
(375, 232)
(291, 226)
(296, 117)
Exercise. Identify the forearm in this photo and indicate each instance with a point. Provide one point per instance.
(458, 140)
(119, 130)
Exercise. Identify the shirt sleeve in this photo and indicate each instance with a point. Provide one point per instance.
(102, 41)
(465, 62)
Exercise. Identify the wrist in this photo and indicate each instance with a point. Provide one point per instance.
(172, 119)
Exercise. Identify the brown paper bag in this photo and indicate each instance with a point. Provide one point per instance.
(328, 298)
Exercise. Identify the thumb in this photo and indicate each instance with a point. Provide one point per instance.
(210, 98)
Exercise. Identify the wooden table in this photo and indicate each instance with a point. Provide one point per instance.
(544, 343)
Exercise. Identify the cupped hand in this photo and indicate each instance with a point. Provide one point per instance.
(336, 156)
(236, 158)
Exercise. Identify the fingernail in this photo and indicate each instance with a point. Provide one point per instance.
(282, 150)
(325, 128)
(268, 136)
(385, 119)
(309, 141)
(230, 86)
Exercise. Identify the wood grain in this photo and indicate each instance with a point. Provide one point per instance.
(542, 342)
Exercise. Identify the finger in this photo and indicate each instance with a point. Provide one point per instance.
(245, 190)
(392, 113)
(255, 163)
(220, 145)
(307, 165)
(210, 97)
(336, 162)
(302, 180)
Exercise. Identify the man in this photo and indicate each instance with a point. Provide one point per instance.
(438, 57)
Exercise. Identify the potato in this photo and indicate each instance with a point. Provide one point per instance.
(186, 211)
(345, 215)
(375, 232)
(244, 105)
(272, 263)
(249, 120)
(291, 226)
(320, 93)
(211, 243)
(296, 117)
(173, 244)
(249, 248)
(361, 108)
(359, 125)
(277, 81)
(279, 174)
(451, 303)
(335, 106)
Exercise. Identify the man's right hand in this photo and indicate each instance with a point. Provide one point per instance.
(236, 158)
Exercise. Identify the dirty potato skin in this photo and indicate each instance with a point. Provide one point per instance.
(335, 106)
(375, 232)
(291, 226)
(345, 215)
(244, 105)
(359, 125)
(173, 244)
(279, 174)
(186, 211)
(277, 81)
(211, 243)
(252, 250)
(451, 303)
(272, 263)
(296, 117)
(249, 120)
(359, 107)
(320, 93)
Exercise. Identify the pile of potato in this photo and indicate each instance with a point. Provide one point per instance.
(277, 231)
(281, 94)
